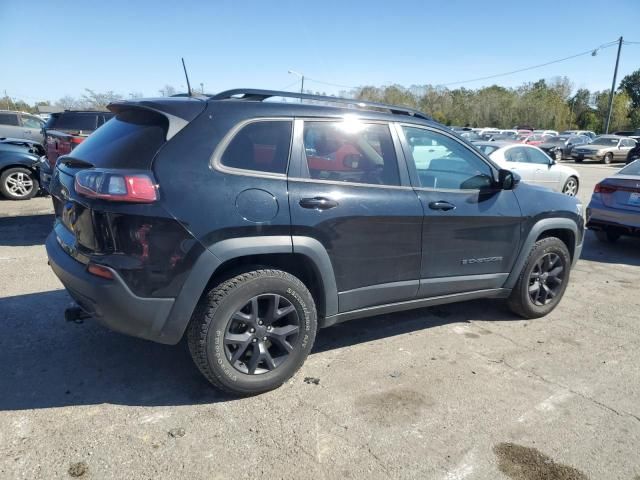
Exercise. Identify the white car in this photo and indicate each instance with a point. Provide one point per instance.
(533, 165)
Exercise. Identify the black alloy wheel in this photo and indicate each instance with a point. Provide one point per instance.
(546, 279)
(261, 334)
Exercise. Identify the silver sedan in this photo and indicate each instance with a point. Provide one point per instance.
(614, 209)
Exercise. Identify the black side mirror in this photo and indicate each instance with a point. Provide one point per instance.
(507, 180)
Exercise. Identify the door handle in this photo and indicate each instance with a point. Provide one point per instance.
(318, 203)
(442, 205)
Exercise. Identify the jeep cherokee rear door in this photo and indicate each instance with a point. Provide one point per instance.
(471, 229)
(348, 190)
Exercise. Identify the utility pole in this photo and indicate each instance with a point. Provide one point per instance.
(301, 75)
(613, 87)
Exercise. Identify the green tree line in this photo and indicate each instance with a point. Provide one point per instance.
(546, 104)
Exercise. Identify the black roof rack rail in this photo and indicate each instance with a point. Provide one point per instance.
(260, 95)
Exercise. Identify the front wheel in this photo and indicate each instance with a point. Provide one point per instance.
(543, 279)
(571, 187)
(251, 333)
(608, 158)
(18, 184)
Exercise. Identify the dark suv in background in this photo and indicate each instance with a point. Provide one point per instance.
(247, 224)
(63, 132)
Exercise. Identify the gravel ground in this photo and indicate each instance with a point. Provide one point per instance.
(452, 392)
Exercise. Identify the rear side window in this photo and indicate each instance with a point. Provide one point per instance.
(130, 140)
(9, 119)
(261, 146)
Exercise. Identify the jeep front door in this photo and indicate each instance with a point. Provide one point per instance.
(349, 192)
(471, 229)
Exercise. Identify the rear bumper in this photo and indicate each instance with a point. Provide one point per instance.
(586, 156)
(610, 219)
(111, 302)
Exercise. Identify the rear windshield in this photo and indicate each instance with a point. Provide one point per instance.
(74, 121)
(129, 140)
(632, 169)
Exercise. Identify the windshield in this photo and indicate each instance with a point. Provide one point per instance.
(605, 141)
(632, 169)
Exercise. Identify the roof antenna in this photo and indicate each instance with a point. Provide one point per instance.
(186, 76)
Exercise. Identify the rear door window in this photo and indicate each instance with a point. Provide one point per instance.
(9, 119)
(350, 151)
(260, 146)
(516, 154)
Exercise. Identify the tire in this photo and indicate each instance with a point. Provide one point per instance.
(571, 187)
(578, 160)
(18, 183)
(607, 159)
(521, 301)
(225, 324)
(607, 236)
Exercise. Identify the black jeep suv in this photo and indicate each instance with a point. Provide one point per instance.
(247, 224)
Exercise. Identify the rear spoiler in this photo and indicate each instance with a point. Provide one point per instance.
(178, 111)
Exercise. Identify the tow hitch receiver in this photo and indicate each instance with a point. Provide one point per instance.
(75, 314)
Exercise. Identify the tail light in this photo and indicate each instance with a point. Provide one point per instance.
(76, 141)
(604, 188)
(100, 271)
(116, 185)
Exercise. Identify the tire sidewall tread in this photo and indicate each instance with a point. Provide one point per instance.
(519, 301)
(32, 176)
(205, 332)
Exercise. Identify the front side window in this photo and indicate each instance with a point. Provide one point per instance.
(261, 146)
(9, 119)
(538, 157)
(444, 163)
(351, 151)
(31, 122)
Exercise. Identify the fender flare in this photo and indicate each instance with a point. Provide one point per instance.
(540, 227)
(220, 252)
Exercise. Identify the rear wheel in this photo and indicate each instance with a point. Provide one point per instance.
(18, 184)
(608, 158)
(571, 187)
(607, 236)
(543, 279)
(577, 160)
(251, 333)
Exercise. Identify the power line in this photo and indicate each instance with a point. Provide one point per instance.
(488, 77)
(587, 52)
(321, 82)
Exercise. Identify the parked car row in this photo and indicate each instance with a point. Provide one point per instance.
(533, 165)
(23, 136)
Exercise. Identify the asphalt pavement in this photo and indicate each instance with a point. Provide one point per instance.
(464, 391)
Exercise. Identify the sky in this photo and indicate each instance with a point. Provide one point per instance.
(57, 48)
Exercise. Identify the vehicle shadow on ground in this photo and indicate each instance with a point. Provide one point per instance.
(25, 231)
(47, 362)
(625, 251)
